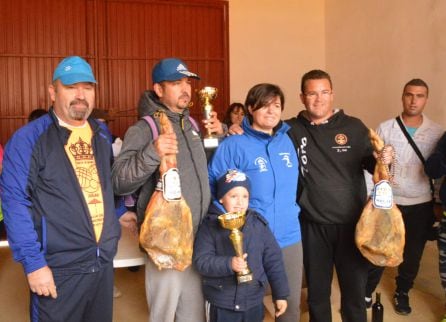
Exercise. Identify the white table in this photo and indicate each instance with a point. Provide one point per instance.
(129, 253)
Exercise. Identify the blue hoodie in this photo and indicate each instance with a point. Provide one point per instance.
(271, 164)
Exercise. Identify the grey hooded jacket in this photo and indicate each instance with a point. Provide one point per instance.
(135, 170)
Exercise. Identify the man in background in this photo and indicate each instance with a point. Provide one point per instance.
(411, 187)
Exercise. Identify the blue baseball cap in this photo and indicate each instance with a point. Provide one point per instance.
(171, 69)
(72, 70)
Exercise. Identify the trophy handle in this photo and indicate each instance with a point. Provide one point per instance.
(236, 237)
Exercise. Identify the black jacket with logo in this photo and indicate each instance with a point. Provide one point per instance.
(332, 157)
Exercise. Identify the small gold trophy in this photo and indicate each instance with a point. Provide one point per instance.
(234, 221)
(206, 95)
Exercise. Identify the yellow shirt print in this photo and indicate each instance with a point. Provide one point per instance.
(80, 153)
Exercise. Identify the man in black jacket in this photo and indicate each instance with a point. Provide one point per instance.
(334, 148)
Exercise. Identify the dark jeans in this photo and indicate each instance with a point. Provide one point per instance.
(417, 222)
(375, 273)
(325, 247)
(442, 252)
(254, 314)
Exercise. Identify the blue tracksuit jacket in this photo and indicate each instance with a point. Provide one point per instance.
(47, 219)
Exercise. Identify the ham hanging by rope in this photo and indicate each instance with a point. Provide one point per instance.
(380, 230)
(167, 232)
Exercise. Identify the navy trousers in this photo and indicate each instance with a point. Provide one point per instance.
(83, 295)
(217, 314)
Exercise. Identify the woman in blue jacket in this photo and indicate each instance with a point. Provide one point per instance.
(268, 157)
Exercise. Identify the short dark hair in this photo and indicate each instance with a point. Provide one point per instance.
(417, 82)
(35, 114)
(314, 74)
(233, 107)
(261, 94)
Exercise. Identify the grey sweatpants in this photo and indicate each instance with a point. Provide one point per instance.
(173, 295)
(293, 260)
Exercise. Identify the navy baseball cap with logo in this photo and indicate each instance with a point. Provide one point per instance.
(72, 70)
(171, 69)
(231, 179)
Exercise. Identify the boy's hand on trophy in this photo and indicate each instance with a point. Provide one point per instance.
(238, 264)
(213, 124)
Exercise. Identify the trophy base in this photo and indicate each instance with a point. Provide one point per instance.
(210, 143)
(244, 278)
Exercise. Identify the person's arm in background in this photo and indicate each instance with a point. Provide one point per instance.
(215, 126)
(435, 166)
(126, 217)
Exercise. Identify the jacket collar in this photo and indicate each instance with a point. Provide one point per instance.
(281, 128)
(65, 132)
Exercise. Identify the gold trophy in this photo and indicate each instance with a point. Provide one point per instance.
(206, 95)
(234, 221)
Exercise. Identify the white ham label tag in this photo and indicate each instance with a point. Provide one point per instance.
(382, 195)
(171, 185)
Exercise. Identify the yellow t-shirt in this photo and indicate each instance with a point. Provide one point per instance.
(80, 153)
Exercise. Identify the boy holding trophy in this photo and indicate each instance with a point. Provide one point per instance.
(237, 255)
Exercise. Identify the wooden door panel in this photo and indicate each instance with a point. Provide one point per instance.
(121, 39)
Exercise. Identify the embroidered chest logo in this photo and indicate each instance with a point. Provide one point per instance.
(286, 157)
(341, 139)
(341, 143)
(261, 163)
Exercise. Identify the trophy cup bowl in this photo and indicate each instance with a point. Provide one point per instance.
(233, 221)
(206, 95)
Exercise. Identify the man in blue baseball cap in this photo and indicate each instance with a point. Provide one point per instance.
(171, 69)
(172, 295)
(73, 90)
(59, 205)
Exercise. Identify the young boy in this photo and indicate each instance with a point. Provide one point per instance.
(214, 258)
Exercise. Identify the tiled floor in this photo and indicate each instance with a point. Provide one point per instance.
(427, 298)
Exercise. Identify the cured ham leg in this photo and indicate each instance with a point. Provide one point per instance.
(167, 232)
(380, 232)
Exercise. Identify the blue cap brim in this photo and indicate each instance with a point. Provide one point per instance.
(76, 78)
(177, 76)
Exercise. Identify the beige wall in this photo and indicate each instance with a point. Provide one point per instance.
(275, 41)
(371, 49)
(374, 47)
